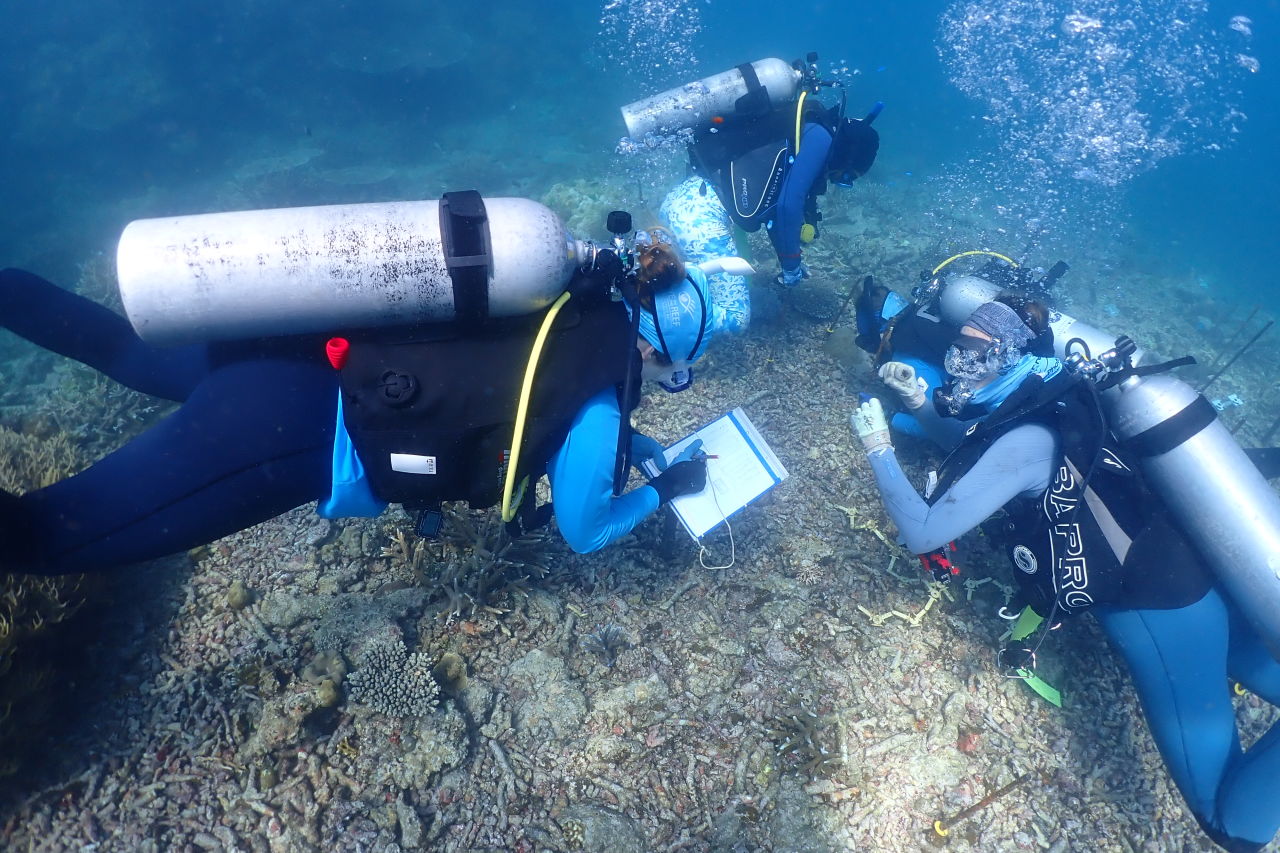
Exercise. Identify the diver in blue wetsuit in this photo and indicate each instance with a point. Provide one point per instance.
(1123, 559)
(765, 170)
(914, 334)
(255, 433)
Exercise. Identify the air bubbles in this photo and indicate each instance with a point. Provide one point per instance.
(650, 41)
(1076, 23)
(1084, 95)
(1242, 25)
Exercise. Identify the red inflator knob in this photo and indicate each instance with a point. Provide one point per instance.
(337, 350)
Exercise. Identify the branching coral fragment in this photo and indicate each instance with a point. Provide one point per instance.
(805, 735)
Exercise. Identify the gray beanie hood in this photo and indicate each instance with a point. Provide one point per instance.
(1002, 322)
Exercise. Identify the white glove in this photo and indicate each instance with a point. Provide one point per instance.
(902, 380)
(869, 423)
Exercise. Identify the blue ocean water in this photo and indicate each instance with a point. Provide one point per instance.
(1117, 134)
(116, 110)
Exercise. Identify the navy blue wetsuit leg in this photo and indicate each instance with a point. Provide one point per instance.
(70, 325)
(1179, 662)
(253, 439)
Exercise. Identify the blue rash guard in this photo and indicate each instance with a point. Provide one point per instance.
(581, 475)
(806, 170)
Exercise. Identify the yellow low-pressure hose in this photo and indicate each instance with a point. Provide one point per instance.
(799, 116)
(509, 506)
(1010, 261)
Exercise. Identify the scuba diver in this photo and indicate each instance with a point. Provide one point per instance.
(762, 151)
(415, 414)
(918, 333)
(1097, 522)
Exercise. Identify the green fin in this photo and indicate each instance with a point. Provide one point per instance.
(1047, 691)
(1028, 622)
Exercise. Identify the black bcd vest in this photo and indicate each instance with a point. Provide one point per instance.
(1098, 534)
(746, 159)
(446, 404)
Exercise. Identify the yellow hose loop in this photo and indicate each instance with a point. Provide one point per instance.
(799, 114)
(509, 506)
(1010, 261)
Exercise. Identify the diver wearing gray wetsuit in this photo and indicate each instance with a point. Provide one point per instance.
(1158, 604)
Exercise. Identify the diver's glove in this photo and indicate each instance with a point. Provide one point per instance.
(692, 450)
(792, 277)
(680, 478)
(645, 449)
(869, 423)
(902, 380)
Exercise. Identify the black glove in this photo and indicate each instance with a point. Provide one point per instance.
(682, 478)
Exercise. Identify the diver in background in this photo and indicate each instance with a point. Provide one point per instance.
(1148, 586)
(901, 335)
(261, 428)
(764, 168)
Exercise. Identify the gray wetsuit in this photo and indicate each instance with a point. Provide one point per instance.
(1019, 463)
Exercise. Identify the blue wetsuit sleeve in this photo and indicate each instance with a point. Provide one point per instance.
(942, 431)
(815, 145)
(581, 474)
(70, 325)
(1019, 462)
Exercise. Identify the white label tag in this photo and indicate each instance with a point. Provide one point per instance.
(930, 484)
(412, 463)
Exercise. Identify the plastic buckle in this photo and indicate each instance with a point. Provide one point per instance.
(429, 523)
(1016, 661)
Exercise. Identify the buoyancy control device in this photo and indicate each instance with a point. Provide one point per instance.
(263, 273)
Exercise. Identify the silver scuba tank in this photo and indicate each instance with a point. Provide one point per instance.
(963, 293)
(1225, 505)
(696, 103)
(263, 273)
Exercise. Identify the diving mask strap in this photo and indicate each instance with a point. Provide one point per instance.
(702, 326)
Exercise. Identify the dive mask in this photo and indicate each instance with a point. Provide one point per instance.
(677, 379)
(972, 358)
(950, 399)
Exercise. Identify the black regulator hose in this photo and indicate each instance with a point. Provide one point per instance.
(627, 284)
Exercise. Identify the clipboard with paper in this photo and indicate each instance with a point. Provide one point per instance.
(744, 467)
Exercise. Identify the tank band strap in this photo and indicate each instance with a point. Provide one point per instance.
(756, 101)
(1168, 434)
(464, 234)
